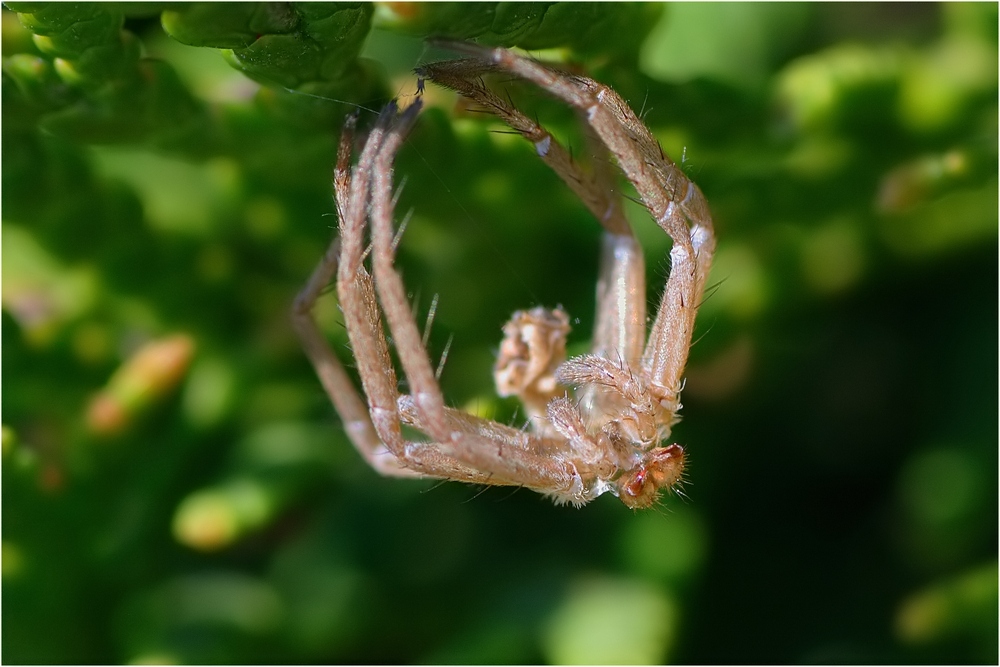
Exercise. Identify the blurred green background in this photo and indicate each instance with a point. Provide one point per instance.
(177, 488)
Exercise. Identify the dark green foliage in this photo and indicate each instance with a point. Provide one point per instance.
(590, 29)
(122, 99)
(278, 43)
(176, 486)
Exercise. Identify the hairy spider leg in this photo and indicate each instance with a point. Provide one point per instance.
(381, 444)
(463, 76)
(333, 377)
(476, 445)
(620, 331)
(623, 419)
(667, 193)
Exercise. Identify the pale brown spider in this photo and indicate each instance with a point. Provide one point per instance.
(607, 438)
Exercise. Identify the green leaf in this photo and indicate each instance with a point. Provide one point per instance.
(68, 30)
(582, 27)
(283, 44)
(228, 25)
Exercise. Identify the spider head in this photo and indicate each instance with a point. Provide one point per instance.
(662, 467)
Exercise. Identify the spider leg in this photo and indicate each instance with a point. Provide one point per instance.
(620, 317)
(488, 452)
(333, 377)
(620, 331)
(670, 336)
(593, 190)
(381, 443)
(671, 198)
(656, 178)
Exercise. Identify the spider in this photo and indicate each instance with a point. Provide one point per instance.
(604, 437)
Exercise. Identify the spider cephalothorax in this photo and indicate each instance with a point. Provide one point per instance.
(607, 436)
